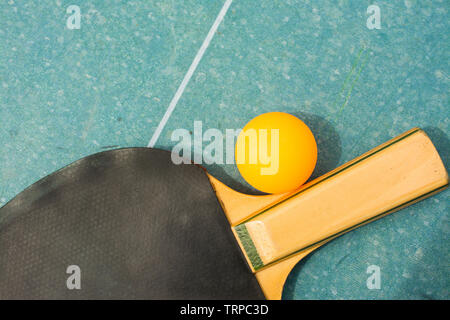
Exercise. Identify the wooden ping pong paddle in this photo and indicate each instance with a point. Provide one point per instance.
(139, 227)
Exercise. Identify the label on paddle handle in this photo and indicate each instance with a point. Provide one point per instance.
(255, 232)
(390, 177)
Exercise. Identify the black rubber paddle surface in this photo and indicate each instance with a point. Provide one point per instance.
(138, 227)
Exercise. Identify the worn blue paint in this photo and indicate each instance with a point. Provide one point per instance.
(65, 94)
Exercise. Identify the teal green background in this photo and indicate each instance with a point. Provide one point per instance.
(65, 94)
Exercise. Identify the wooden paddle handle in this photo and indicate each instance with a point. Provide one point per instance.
(392, 176)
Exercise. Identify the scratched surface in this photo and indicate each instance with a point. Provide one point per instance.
(65, 94)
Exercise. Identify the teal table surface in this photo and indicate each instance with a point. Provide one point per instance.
(66, 93)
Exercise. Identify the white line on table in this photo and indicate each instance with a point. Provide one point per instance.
(189, 73)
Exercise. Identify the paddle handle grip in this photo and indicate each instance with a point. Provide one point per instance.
(385, 179)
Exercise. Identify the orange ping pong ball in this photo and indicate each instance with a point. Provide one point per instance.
(276, 152)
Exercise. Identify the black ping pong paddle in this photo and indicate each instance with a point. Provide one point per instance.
(140, 227)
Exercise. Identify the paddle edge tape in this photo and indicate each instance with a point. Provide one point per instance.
(247, 243)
